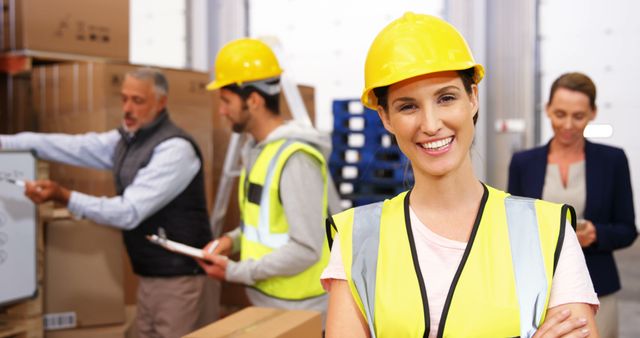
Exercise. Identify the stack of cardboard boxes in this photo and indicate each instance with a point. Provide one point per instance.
(83, 289)
(61, 69)
(63, 63)
(42, 31)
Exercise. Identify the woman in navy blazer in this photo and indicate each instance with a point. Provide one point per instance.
(608, 210)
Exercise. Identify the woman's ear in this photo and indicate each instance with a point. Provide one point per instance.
(475, 103)
(384, 117)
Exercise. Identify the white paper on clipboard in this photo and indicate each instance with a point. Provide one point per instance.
(176, 247)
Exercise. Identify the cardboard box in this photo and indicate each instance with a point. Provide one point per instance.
(264, 323)
(126, 330)
(83, 275)
(90, 27)
(16, 112)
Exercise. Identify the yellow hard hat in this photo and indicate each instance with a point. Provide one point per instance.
(414, 45)
(244, 60)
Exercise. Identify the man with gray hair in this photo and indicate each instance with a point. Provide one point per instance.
(159, 181)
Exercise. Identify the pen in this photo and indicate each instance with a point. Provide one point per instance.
(213, 246)
(19, 183)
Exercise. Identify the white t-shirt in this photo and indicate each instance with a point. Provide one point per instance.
(571, 282)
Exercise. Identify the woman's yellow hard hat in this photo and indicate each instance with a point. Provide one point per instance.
(244, 60)
(414, 45)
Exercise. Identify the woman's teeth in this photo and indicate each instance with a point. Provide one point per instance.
(437, 145)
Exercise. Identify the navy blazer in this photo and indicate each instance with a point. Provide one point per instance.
(609, 203)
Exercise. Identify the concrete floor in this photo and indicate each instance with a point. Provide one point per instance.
(628, 261)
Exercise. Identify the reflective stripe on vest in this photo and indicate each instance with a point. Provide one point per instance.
(365, 253)
(528, 264)
(262, 232)
(531, 267)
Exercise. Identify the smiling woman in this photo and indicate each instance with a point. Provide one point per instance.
(451, 257)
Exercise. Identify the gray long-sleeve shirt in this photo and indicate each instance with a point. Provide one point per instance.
(301, 191)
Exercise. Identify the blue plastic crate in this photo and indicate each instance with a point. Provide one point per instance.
(371, 140)
(350, 106)
(348, 189)
(345, 123)
(350, 156)
(383, 174)
(368, 199)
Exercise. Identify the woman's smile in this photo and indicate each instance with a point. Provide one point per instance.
(437, 147)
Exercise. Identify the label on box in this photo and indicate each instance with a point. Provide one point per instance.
(60, 320)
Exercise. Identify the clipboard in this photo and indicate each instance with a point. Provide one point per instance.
(176, 247)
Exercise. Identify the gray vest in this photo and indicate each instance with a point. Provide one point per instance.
(185, 218)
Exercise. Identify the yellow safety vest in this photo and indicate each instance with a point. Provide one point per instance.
(501, 287)
(264, 223)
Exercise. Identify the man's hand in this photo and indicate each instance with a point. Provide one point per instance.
(224, 246)
(561, 325)
(44, 191)
(215, 253)
(586, 233)
(214, 265)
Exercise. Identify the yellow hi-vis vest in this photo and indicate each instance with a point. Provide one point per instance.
(501, 287)
(264, 223)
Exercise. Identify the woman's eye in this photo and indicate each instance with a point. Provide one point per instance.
(407, 107)
(446, 98)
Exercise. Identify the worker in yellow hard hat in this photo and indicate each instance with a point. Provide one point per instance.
(282, 189)
(452, 257)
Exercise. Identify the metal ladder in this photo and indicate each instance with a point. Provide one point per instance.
(232, 166)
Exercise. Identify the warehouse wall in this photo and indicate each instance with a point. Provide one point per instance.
(158, 33)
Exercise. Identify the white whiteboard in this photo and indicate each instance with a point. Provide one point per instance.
(17, 228)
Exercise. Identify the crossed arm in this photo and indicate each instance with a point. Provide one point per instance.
(344, 319)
